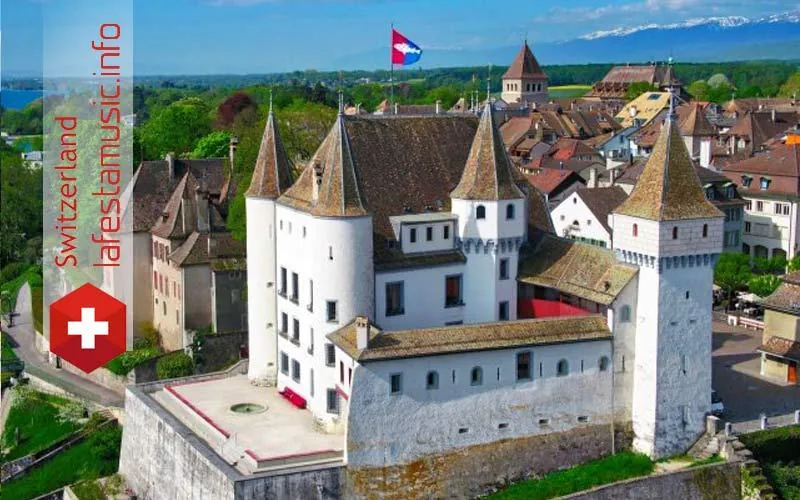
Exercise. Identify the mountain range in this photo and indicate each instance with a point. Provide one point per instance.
(694, 40)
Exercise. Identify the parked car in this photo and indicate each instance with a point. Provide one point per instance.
(717, 406)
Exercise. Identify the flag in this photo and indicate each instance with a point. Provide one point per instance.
(404, 51)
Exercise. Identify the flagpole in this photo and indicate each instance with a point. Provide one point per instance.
(391, 71)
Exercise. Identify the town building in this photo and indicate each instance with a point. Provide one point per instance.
(780, 349)
(554, 183)
(525, 81)
(644, 109)
(583, 215)
(614, 86)
(769, 184)
(753, 131)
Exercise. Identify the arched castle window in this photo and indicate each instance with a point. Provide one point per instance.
(432, 380)
(480, 212)
(603, 363)
(675, 233)
(562, 369)
(635, 230)
(705, 230)
(510, 211)
(625, 314)
(476, 376)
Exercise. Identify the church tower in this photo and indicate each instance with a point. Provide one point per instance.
(272, 176)
(491, 226)
(525, 80)
(668, 228)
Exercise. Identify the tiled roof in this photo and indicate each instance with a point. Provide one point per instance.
(758, 103)
(488, 174)
(465, 338)
(782, 347)
(787, 296)
(525, 65)
(616, 82)
(696, 124)
(567, 148)
(759, 127)
(668, 188)
(401, 260)
(195, 249)
(575, 268)
(272, 174)
(602, 201)
(648, 106)
(781, 162)
(174, 223)
(549, 179)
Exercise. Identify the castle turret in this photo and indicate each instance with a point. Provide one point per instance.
(525, 80)
(272, 176)
(669, 229)
(492, 221)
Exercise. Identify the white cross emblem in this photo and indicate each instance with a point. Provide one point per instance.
(87, 328)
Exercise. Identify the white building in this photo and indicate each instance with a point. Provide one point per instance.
(409, 289)
(583, 215)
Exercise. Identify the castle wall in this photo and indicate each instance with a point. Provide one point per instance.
(387, 429)
(624, 349)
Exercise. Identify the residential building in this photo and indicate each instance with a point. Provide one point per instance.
(583, 215)
(780, 348)
(754, 130)
(644, 109)
(554, 183)
(614, 86)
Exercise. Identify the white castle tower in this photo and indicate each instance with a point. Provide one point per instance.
(491, 226)
(272, 175)
(668, 228)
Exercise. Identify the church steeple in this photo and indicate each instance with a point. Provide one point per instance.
(488, 174)
(272, 175)
(525, 80)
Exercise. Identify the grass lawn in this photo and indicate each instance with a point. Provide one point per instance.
(778, 452)
(94, 457)
(567, 91)
(607, 470)
(8, 354)
(35, 414)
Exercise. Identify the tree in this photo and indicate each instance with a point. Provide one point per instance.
(764, 285)
(791, 88)
(794, 264)
(717, 80)
(231, 107)
(638, 88)
(177, 128)
(699, 90)
(732, 272)
(214, 145)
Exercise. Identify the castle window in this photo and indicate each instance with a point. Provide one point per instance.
(446, 232)
(330, 355)
(675, 233)
(503, 269)
(683, 364)
(428, 233)
(480, 212)
(165, 307)
(705, 230)
(510, 211)
(330, 253)
(330, 311)
(295, 287)
(295, 371)
(432, 380)
(562, 368)
(394, 298)
(524, 365)
(310, 306)
(295, 331)
(284, 323)
(333, 401)
(603, 363)
(284, 363)
(412, 235)
(503, 312)
(687, 294)
(453, 291)
(282, 288)
(625, 314)
(476, 377)
(635, 230)
(397, 383)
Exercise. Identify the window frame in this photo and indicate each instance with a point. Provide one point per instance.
(529, 369)
(460, 298)
(400, 309)
(432, 380)
(296, 370)
(398, 377)
(510, 211)
(503, 306)
(480, 212)
(503, 271)
(562, 372)
(473, 380)
(330, 354)
(328, 317)
(284, 361)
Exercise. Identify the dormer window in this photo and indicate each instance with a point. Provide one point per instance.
(765, 183)
(746, 181)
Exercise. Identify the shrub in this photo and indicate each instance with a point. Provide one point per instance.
(127, 361)
(174, 365)
(12, 271)
(150, 334)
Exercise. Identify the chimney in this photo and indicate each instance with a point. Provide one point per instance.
(633, 111)
(171, 165)
(592, 178)
(438, 106)
(362, 332)
(318, 170)
(234, 143)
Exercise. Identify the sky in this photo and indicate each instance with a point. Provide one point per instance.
(263, 36)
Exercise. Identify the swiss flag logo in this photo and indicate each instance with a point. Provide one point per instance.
(87, 328)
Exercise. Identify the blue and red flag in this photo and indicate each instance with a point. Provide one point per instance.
(404, 51)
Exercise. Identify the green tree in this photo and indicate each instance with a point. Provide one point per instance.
(717, 80)
(794, 264)
(764, 285)
(699, 90)
(214, 145)
(177, 128)
(638, 88)
(732, 272)
(791, 87)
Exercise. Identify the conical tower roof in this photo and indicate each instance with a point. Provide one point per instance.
(488, 173)
(696, 124)
(272, 175)
(668, 188)
(524, 65)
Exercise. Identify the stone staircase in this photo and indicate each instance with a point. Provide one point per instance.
(705, 447)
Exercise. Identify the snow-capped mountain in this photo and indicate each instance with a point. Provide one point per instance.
(722, 22)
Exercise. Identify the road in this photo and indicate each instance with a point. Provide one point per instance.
(736, 366)
(24, 336)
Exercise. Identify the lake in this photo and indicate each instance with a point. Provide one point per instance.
(18, 99)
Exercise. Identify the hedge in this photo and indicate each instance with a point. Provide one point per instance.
(178, 364)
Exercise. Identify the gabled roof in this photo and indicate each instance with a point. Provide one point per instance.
(488, 173)
(174, 223)
(602, 201)
(195, 249)
(272, 174)
(696, 124)
(550, 179)
(759, 127)
(668, 188)
(782, 161)
(566, 148)
(525, 65)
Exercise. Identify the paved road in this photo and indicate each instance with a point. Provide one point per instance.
(736, 366)
(24, 334)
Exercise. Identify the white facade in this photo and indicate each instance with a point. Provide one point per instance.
(770, 226)
(672, 373)
(573, 219)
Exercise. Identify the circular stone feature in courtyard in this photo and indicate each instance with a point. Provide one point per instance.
(248, 408)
